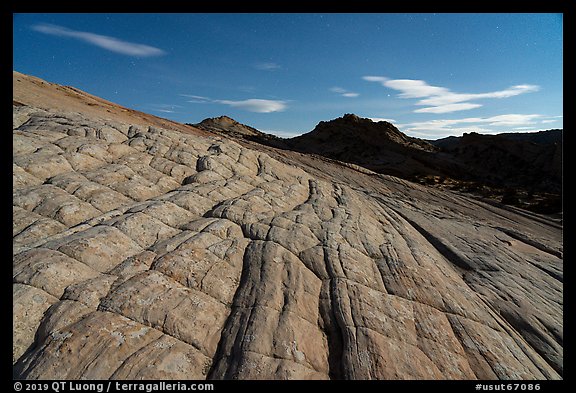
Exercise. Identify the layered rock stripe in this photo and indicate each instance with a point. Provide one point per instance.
(147, 253)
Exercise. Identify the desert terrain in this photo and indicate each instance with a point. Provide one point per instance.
(149, 249)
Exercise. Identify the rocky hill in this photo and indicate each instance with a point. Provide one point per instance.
(144, 251)
(378, 146)
(548, 137)
(230, 128)
(227, 125)
(528, 160)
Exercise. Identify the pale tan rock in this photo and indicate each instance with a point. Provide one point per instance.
(165, 359)
(29, 305)
(22, 179)
(50, 270)
(133, 265)
(82, 162)
(206, 262)
(89, 292)
(166, 212)
(153, 299)
(101, 247)
(145, 230)
(43, 165)
(29, 227)
(50, 201)
(92, 348)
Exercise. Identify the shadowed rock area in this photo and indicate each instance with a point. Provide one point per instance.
(150, 252)
(530, 161)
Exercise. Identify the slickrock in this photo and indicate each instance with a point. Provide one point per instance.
(147, 253)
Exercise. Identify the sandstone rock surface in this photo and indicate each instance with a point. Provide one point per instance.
(142, 252)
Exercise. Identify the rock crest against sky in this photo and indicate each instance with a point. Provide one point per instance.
(435, 75)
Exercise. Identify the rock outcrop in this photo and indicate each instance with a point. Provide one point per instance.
(530, 161)
(230, 128)
(227, 125)
(378, 146)
(527, 160)
(142, 252)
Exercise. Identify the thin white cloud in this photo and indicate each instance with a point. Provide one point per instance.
(197, 99)
(410, 88)
(439, 99)
(267, 66)
(440, 128)
(449, 97)
(553, 119)
(256, 105)
(252, 104)
(109, 43)
(283, 134)
(443, 133)
(512, 120)
(377, 119)
(164, 108)
(448, 108)
(344, 92)
(380, 79)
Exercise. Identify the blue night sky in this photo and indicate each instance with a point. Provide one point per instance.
(432, 75)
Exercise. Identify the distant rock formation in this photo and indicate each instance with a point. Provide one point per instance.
(227, 125)
(142, 252)
(527, 160)
(378, 146)
(230, 128)
(530, 161)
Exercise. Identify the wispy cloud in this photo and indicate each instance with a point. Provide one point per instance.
(197, 99)
(344, 92)
(377, 119)
(439, 99)
(163, 108)
(512, 120)
(256, 105)
(267, 66)
(109, 43)
(252, 104)
(444, 127)
(195, 96)
(283, 134)
(447, 108)
(409, 88)
(553, 119)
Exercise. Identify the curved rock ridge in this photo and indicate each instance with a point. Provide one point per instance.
(145, 253)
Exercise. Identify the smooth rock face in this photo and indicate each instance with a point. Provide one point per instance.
(145, 253)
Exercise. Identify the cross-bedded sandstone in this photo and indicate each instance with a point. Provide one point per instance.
(142, 252)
